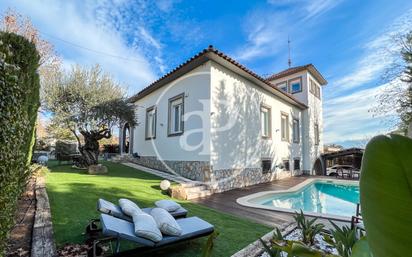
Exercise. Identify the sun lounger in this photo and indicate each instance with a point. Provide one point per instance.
(115, 229)
(93, 229)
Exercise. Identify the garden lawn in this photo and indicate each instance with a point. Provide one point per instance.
(73, 196)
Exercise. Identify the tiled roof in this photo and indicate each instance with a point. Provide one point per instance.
(199, 59)
(310, 67)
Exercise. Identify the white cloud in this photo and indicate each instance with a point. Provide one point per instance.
(65, 24)
(349, 117)
(267, 30)
(318, 7)
(165, 5)
(378, 56)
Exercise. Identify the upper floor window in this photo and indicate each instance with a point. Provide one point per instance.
(283, 86)
(295, 85)
(265, 119)
(176, 115)
(284, 126)
(151, 123)
(312, 86)
(296, 131)
(316, 134)
(317, 91)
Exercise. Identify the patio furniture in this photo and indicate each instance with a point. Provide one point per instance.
(357, 222)
(355, 174)
(115, 229)
(93, 229)
(341, 172)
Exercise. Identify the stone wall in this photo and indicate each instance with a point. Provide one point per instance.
(224, 180)
(194, 170)
(217, 180)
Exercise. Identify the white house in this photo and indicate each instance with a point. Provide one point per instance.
(213, 120)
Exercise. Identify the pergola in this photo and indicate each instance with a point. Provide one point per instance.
(351, 156)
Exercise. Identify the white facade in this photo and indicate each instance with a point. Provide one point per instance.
(237, 100)
(195, 86)
(222, 122)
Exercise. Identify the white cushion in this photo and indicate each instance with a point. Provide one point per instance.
(168, 205)
(128, 207)
(165, 222)
(146, 227)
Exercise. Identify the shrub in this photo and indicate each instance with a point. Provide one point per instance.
(19, 102)
(308, 227)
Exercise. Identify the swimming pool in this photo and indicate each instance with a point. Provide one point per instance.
(318, 197)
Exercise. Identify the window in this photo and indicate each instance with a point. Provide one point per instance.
(316, 134)
(296, 131)
(151, 123)
(317, 91)
(176, 115)
(312, 86)
(283, 86)
(265, 121)
(284, 129)
(296, 164)
(266, 165)
(286, 165)
(295, 85)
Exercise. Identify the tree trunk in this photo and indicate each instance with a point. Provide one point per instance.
(90, 149)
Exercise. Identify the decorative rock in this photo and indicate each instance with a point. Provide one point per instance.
(165, 184)
(178, 192)
(97, 169)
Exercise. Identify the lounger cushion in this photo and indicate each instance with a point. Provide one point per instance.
(128, 207)
(165, 222)
(107, 207)
(145, 226)
(168, 205)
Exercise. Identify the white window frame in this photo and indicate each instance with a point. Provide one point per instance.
(265, 126)
(283, 85)
(294, 81)
(176, 102)
(284, 126)
(150, 124)
(296, 130)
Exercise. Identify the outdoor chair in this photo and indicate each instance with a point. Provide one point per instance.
(115, 229)
(93, 229)
(357, 222)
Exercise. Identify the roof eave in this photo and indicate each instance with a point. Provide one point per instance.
(255, 79)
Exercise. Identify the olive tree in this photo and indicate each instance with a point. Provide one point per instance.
(90, 104)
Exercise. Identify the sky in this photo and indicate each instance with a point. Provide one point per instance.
(139, 41)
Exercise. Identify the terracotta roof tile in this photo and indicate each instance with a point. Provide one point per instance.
(292, 70)
(159, 82)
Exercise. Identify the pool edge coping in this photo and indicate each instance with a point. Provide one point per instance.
(244, 201)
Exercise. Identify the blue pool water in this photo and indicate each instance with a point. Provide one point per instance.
(319, 197)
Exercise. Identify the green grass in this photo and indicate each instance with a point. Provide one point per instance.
(73, 195)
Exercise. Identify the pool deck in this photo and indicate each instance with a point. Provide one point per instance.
(226, 202)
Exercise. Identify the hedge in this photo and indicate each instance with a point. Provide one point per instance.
(19, 103)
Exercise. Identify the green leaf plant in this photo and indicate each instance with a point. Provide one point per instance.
(386, 195)
(308, 227)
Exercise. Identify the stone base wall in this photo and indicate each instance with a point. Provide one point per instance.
(227, 179)
(217, 180)
(194, 170)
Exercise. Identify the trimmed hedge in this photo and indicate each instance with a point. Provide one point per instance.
(19, 103)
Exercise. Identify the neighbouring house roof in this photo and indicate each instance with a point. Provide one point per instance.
(211, 53)
(309, 67)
